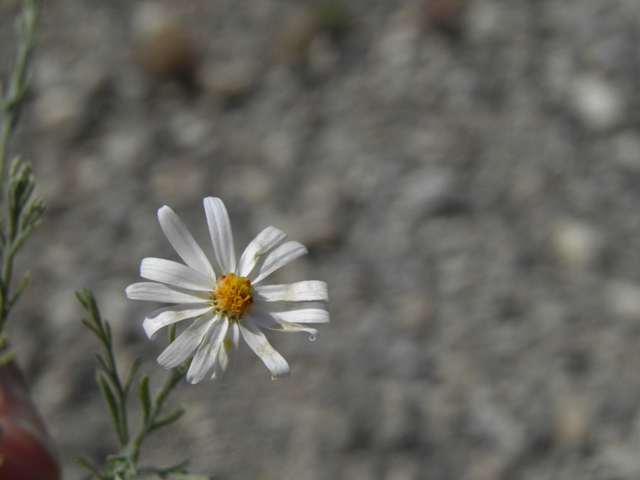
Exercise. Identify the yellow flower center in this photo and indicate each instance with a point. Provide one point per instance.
(233, 294)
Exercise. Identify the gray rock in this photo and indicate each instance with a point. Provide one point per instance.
(623, 299)
(577, 245)
(626, 147)
(598, 103)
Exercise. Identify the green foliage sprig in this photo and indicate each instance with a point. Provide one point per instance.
(22, 213)
(123, 465)
(11, 100)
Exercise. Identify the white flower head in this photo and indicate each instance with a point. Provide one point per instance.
(231, 304)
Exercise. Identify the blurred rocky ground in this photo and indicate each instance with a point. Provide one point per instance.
(465, 173)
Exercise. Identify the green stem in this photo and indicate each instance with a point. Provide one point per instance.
(132, 449)
(10, 107)
(11, 102)
(7, 269)
(4, 139)
(123, 437)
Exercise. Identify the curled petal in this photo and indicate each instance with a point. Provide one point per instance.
(183, 346)
(183, 242)
(207, 352)
(277, 258)
(297, 312)
(265, 319)
(169, 315)
(265, 241)
(311, 290)
(258, 343)
(221, 234)
(227, 353)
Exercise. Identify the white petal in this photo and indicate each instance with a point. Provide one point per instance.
(311, 290)
(258, 343)
(221, 234)
(207, 352)
(168, 315)
(183, 242)
(297, 312)
(276, 259)
(183, 346)
(265, 241)
(227, 353)
(265, 319)
(157, 292)
(173, 273)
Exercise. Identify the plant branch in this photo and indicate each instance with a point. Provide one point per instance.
(115, 392)
(11, 101)
(154, 420)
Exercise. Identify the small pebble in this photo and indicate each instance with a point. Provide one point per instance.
(428, 191)
(442, 15)
(291, 42)
(598, 104)
(232, 80)
(164, 47)
(626, 147)
(394, 425)
(577, 245)
(572, 423)
(623, 299)
(59, 110)
(280, 148)
(402, 468)
(331, 16)
(322, 56)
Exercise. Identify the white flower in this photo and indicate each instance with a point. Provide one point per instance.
(228, 305)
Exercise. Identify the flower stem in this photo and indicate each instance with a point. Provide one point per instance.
(132, 450)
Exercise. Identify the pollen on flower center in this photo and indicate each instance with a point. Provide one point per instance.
(233, 294)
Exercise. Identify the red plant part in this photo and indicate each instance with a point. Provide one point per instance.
(26, 450)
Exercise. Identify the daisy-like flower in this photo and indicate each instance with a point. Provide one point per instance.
(231, 304)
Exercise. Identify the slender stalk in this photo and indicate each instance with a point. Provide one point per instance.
(7, 269)
(123, 437)
(5, 131)
(11, 101)
(132, 449)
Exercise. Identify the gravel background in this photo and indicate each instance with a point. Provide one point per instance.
(466, 175)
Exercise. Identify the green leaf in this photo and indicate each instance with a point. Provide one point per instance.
(135, 366)
(93, 329)
(145, 397)
(100, 361)
(107, 334)
(87, 464)
(90, 305)
(85, 297)
(112, 404)
(167, 418)
(24, 281)
(7, 355)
